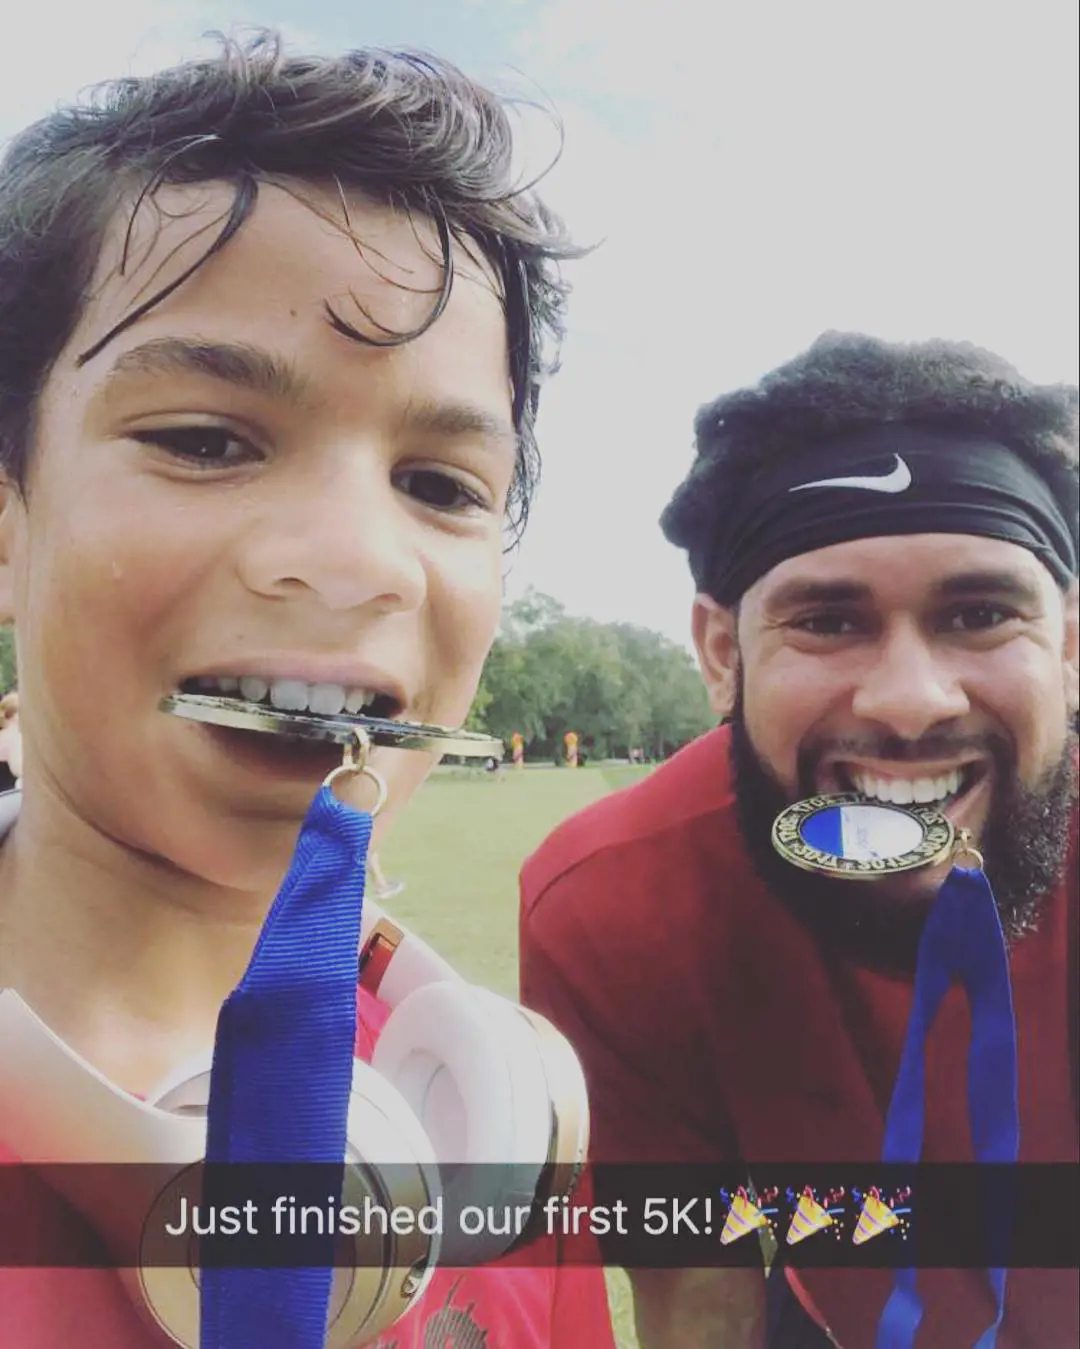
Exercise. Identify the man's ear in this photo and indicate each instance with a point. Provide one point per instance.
(715, 633)
(1071, 652)
(11, 510)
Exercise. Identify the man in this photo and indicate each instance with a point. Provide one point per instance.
(272, 330)
(883, 540)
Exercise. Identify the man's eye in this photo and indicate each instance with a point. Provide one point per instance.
(826, 625)
(212, 446)
(440, 490)
(978, 618)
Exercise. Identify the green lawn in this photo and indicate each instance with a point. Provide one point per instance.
(459, 848)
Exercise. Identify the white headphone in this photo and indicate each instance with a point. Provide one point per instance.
(458, 1075)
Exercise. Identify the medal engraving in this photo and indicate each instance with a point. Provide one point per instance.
(850, 836)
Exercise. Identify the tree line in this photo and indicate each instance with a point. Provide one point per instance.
(619, 687)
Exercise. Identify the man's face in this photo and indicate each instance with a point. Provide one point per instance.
(933, 668)
(231, 490)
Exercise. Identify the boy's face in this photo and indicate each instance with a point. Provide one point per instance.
(232, 488)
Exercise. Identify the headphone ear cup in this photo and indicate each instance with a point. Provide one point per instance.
(570, 1116)
(390, 1165)
(187, 1088)
(471, 1067)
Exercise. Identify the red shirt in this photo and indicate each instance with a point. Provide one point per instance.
(714, 1028)
(493, 1307)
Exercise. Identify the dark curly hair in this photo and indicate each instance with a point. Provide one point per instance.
(406, 129)
(848, 381)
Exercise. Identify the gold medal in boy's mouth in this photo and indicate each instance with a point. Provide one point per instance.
(339, 728)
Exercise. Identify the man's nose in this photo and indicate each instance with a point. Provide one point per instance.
(910, 688)
(343, 532)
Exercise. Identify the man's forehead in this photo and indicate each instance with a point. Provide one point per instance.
(893, 569)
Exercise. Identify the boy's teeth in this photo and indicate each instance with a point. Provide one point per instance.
(903, 791)
(291, 695)
(357, 699)
(328, 699)
(253, 688)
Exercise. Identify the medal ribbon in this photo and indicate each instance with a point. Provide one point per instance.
(282, 1073)
(963, 939)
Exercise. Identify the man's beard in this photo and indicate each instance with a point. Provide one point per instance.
(1025, 845)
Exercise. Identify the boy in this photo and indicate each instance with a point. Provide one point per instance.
(271, 337)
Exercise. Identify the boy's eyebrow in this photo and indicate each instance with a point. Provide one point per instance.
(262, 372)
(459, 419)
(236, 363)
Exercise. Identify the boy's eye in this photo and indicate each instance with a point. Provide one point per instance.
(440, 490)
(213, 446)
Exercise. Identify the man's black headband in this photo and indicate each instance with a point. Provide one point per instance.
(885, 480)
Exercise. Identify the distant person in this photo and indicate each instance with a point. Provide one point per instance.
(382, 887)
(884, 543)
(10, 742)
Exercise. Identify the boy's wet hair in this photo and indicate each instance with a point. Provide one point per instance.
(406, 130)
(848, 381)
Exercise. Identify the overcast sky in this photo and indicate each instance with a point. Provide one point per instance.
(759, 172)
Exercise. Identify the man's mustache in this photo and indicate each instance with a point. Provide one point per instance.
(894, 749)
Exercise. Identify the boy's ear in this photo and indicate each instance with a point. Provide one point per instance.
(11, 514)
(715, 632)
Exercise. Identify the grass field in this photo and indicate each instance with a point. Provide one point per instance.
(459, 848)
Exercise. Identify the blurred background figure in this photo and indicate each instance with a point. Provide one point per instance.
(10, 742)
(382, 888)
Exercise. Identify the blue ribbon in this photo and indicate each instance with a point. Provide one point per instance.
(962, 939)
(282, 1072)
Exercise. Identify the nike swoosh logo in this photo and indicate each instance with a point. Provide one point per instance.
(897, 480)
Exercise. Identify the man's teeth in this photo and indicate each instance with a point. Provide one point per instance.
(903, 791)
(293, 695)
